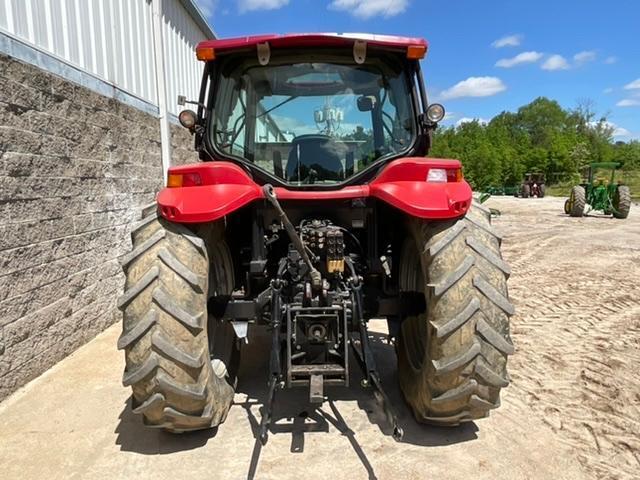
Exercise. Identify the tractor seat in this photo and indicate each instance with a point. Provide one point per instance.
(315, 153)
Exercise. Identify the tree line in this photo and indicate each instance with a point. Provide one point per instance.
(539, 137)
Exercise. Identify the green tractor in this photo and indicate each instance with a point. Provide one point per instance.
(502, 190)
(599, 192)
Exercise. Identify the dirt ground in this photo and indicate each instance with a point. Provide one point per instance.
(572, 410)
(576, 285)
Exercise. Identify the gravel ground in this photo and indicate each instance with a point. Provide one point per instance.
(572, 410)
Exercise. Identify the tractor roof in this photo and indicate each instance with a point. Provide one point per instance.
(613, 165)
(312, 40)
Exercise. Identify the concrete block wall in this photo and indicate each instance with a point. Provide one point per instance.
(75, 169)
(182, 146)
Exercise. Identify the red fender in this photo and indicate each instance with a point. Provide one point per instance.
(224, 188)
(212, 190)
(403, 184)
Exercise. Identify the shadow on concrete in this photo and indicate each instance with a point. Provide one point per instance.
(317, 420)
(293, 414)
(293, 403)
(134, 436)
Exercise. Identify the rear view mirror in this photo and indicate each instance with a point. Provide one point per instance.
(366, 103)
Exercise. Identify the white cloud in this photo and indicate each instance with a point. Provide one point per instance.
(207, 7)
(464, 120)
(524, 57)
(608, 90)
(633, 85)
(621, 132)
(475, 87)
(365, 9)
(611, 60)
(585, 57)
(617, 131)
(628, 102)
(293, 125)
(555, 62)
(253, 5)
(508, 41)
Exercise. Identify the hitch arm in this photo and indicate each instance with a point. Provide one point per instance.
(366, 360)
(275, 365)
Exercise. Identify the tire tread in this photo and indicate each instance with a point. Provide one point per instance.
(164, 336)
(466, 342)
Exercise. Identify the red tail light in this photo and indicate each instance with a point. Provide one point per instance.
(444, 175)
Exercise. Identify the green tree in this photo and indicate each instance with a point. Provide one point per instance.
(540, 137)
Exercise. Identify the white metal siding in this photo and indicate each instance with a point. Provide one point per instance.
(181, 35)
(113, 40)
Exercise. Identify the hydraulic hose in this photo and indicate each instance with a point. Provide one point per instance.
(270, 194)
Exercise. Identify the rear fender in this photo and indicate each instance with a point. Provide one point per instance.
(403, 184)
(224, 187)
(216, 189)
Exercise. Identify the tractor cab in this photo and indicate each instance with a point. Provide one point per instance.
(307, 118)
(601, 173)
(534, 177)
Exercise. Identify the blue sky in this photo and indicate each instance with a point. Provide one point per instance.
(485, 56)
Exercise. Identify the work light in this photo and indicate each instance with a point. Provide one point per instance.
(435, 112)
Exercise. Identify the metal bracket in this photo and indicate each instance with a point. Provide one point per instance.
(316, 384)
(264, 53)
(241, 328)
(360, 51)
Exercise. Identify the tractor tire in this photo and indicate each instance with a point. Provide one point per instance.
(622, 202)
(577, 201)
(452, 359)
(526, 191)
(180, 362)
(541, 191)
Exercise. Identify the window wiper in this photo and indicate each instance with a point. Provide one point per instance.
(266, 112)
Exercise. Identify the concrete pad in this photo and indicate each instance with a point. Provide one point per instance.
(75, 422)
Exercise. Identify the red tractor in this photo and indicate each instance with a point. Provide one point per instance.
(314, 209)
(533, 185)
